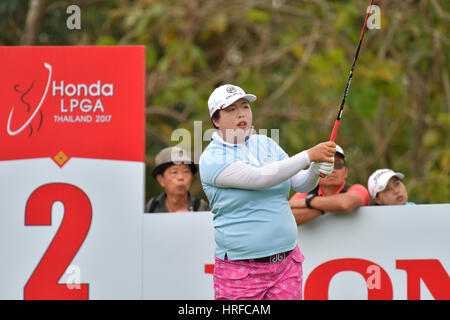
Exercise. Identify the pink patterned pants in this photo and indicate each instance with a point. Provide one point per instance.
(241, 280)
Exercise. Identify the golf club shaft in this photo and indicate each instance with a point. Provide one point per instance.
(349, 80)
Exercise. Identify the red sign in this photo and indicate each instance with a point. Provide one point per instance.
(64, 102)
(379, 285)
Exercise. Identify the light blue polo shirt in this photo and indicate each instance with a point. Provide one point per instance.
(248, 224)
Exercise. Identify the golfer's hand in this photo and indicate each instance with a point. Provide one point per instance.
(322, 168)
(323, 152)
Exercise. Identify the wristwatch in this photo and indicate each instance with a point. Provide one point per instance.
(308, 199)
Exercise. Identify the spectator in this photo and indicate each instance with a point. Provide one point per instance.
(386, 188)
(174, 172)
(333, 194)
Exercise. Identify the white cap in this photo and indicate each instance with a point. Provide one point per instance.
(379, 180)
(340, 150)
(225, 95)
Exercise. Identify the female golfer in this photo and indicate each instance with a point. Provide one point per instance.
(247, 179)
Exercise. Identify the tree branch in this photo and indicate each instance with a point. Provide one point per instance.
(34, 22)
(166, 112)
(65, 4)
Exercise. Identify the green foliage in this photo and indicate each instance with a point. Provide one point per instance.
(295, 56)
(259, 16)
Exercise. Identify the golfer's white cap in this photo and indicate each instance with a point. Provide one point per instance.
(379, 180)
(225, 95)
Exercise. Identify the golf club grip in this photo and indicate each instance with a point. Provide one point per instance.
(332, 138)
(334, 132)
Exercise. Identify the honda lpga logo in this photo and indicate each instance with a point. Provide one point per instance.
(36, 111)
(79, 103)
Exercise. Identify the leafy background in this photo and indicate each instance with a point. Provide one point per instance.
(295, 56)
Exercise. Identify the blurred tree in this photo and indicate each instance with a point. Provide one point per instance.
(295, 56)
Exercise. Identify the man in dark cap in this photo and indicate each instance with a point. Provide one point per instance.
(174, 172)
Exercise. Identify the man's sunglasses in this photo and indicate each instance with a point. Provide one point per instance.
(339, 164)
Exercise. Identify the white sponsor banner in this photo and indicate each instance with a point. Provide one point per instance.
(390, 252)
(93, 234)
(373, 253)
(176, 248)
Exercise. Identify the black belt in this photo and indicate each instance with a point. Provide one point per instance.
(275, 258)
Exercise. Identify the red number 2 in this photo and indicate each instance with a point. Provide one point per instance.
(43, 283)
